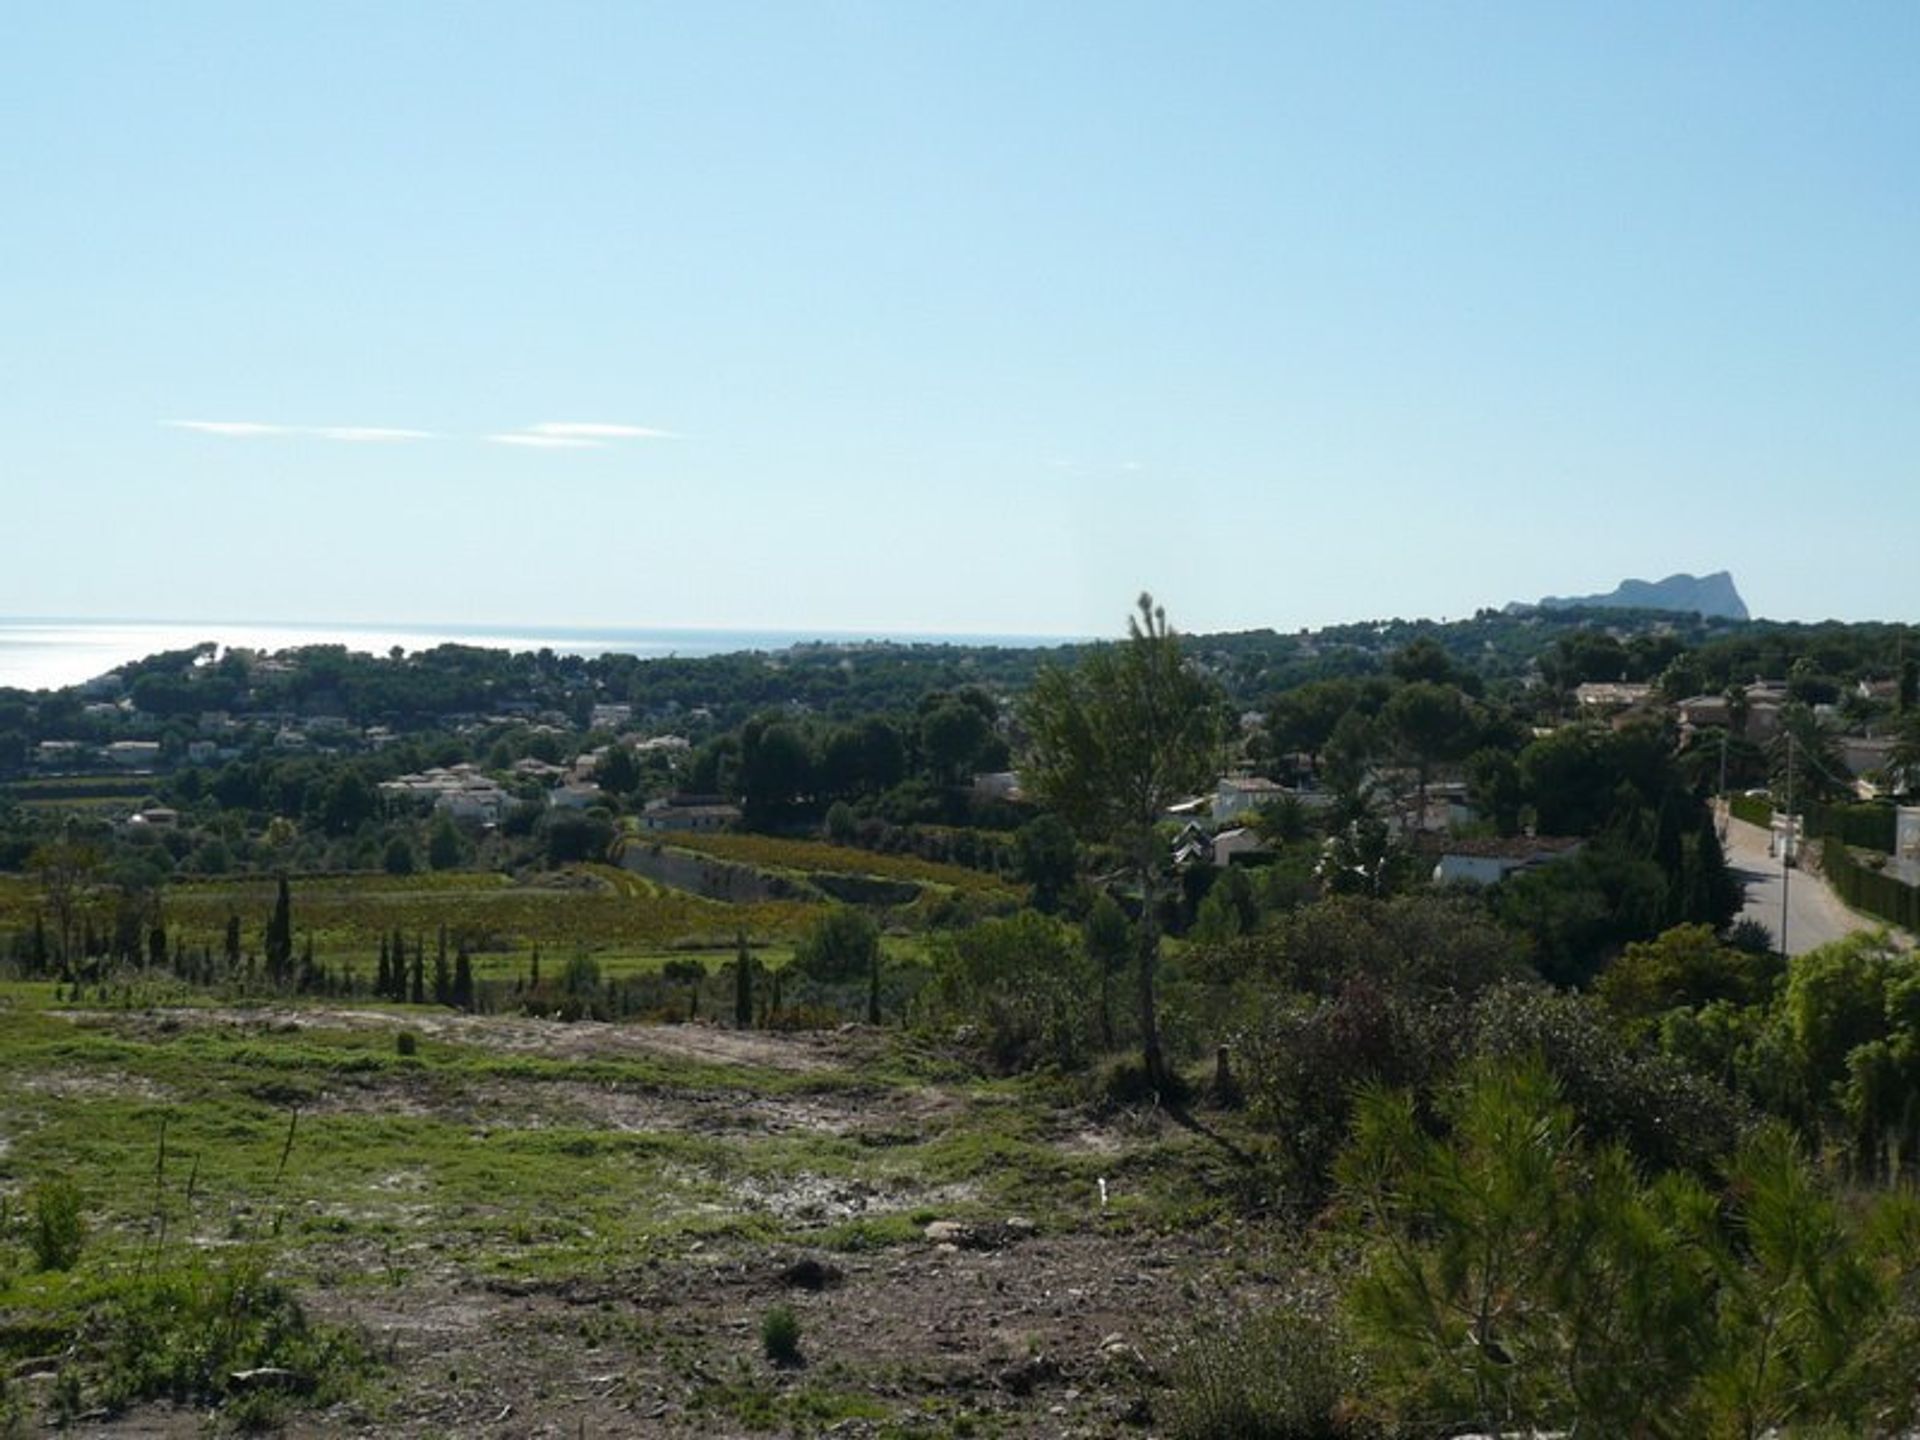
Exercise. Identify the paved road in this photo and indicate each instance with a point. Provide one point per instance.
(1815, 915)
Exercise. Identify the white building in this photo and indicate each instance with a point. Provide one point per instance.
(1489, 861)
(1240, 841)
(996, 785)
(1238, 795)
(689, 815)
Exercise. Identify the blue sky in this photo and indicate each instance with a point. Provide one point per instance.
(961, 317)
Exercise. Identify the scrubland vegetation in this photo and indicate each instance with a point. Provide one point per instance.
(921, 1109)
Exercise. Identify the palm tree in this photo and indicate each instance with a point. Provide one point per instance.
(1806, 759)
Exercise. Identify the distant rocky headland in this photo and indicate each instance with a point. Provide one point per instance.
(1710, 595)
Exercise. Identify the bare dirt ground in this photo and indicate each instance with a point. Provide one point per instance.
(1043, 1337)
(555, 1039)
(984, 1326)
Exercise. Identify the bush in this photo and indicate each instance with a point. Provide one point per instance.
(780, 1335)
(182, 1335)
(56, 1224)
(1688, 966)
(1662, 1112)
(406, 1043)
(1418, 943)
(1124, 1081)
(842, 945)
(398, 859)
(1282, 1375)
(1304, 1059)
(1030, 991)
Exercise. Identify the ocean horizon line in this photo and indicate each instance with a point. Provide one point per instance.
(51, 652)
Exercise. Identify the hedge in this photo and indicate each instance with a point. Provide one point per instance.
(1865, 827)
(1893, 900)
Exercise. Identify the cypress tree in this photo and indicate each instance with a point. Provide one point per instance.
(383, 977)
(463, 979)
(442, 973)
(743, 985)
(279, 946)
(1719, 893)
(233, 944)
(419, 995)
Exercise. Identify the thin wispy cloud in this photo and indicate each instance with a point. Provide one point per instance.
(239, 429)
(537, 441)
(369, 434)
(253, 429)
(546, 435)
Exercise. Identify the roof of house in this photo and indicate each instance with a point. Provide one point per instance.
(1253, 784)
(716, 811)
(1505, 847)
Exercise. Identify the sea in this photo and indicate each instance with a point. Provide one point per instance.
(47, 654)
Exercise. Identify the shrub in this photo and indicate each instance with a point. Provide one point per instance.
(1033, 994)
(1688, 966)
(398, 858)
(842, 945)
(780, 1335)
(56, 1224)
(1282, 1375)
(1664, 1113)
(1417, 943)
(406, 1043)
(1303, 1060)
(1124, 1081)
(182, 1335)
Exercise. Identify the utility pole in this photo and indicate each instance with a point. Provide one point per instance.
(1725, 808)
(1786, 850)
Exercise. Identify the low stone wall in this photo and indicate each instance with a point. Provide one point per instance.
(713, 879)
